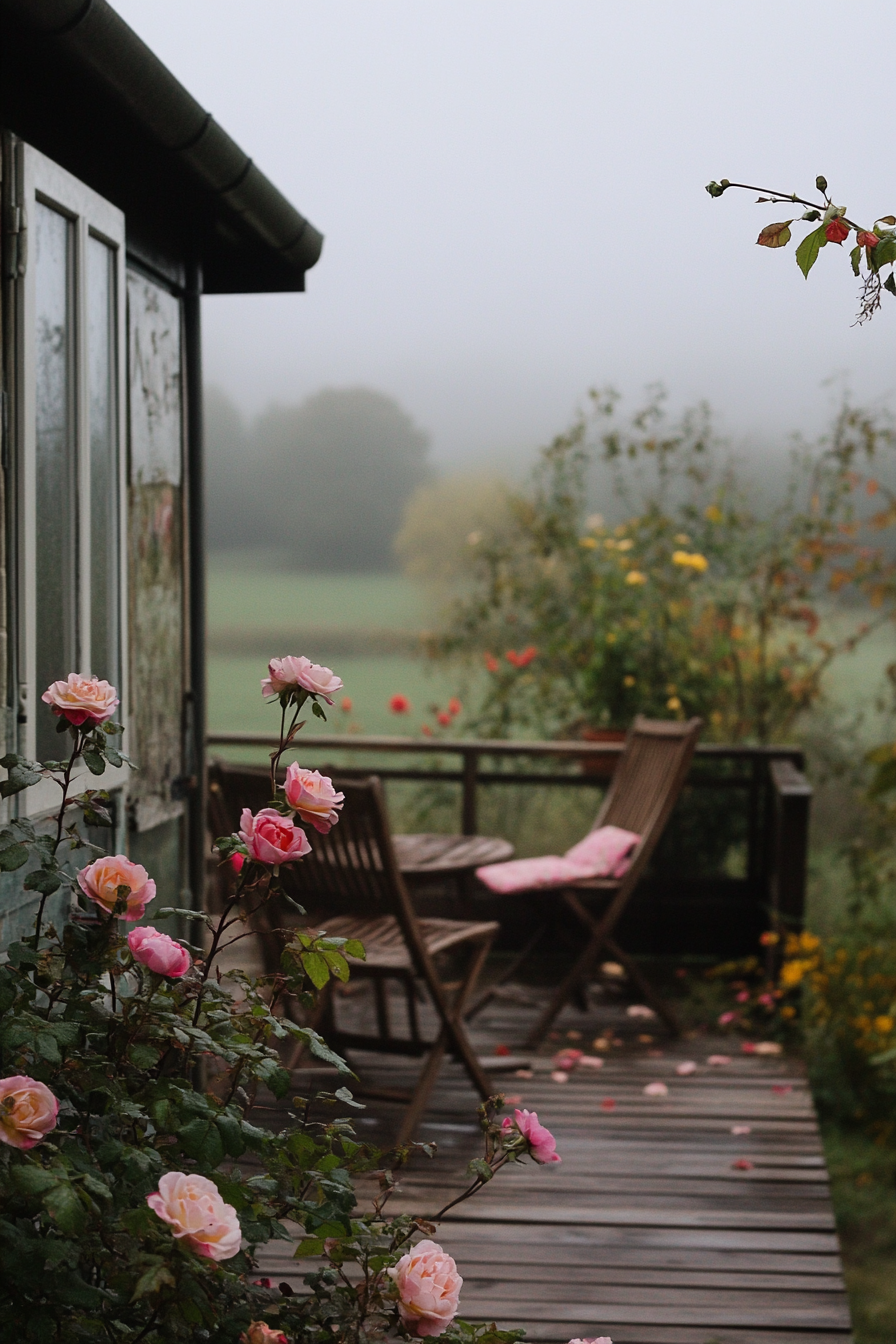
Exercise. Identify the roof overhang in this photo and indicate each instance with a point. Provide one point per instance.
(79, 85)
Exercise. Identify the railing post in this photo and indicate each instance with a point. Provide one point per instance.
(471, 770)
(792, 796)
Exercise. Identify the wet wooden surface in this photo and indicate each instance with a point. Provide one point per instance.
(429, 855)
(646, 1232)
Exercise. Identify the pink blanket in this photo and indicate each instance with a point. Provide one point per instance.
(604, 853)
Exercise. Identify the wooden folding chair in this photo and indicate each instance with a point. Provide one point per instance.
(644, 789)
(352, 887)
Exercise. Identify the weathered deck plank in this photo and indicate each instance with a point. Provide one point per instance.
(645, 1232)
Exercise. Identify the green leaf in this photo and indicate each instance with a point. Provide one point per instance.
(94, 761)
(353, 948)
(231, 1133)
(44, 880)
(12, 857)
(855, 257)
(479, 1167)
(309, 1246)
(156, 1277)
(884, 252)
(65, 1208)
(143, 1056)
(809, 248)
(201, 1140)
(338, 965)
(315, 968)
(32, 1180)
(20, 777)
(317, 711)
(890, 283)
(345, 1096)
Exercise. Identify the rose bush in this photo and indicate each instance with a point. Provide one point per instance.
(138, 1177)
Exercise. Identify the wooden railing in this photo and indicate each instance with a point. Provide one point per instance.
(775, 798)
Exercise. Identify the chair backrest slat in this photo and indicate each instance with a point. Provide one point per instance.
(648, 779)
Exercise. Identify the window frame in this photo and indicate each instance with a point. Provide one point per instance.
(45, 182)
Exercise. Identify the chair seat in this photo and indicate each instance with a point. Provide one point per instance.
(384, 941)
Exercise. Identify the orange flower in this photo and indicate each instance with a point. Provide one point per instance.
(454, 705)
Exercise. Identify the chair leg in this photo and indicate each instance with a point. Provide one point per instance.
(659, 1006)
(426, 1080)
(565, 990)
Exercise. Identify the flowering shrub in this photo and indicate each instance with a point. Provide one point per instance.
(700, 603)
(129, 1077)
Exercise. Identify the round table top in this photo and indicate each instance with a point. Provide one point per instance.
(432, 854)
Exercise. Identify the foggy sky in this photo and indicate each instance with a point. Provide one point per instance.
(512, 197)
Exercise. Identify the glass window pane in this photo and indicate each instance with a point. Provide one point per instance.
(55, 463)
(104, 548)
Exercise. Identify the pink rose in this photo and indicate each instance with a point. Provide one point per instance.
(28, 1111)
(107, 880)
(197, 1213)
(159, 953)
(428, 1288)
(312, 795)
(725, 1019)
(271, 838)
(286, 674)
(81, 699)
(259, 1333)
(540, 1142)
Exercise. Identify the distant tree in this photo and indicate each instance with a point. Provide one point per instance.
(445, 522)
(336, 472)
(324, 482)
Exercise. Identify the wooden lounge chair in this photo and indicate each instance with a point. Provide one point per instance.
(643, 791)
(352, 887)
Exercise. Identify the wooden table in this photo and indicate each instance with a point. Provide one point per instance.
(428, 855)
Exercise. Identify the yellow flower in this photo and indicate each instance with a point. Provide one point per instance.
(792, 973)
(628, 681)
(788, 1010)
(635, 576)
(673, 702)
(883, 1024)
(588, 543)
(809, 941)
(713, 513)
(625, 545)
(691, 560)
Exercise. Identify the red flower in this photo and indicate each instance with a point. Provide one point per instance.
(836, 231)
(454, 705)
(491, 662)
(399, 704)
(345, 704)
(444, 718)
(867, 239)
(523, 658)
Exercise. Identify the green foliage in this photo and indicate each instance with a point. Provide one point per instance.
(702, 602)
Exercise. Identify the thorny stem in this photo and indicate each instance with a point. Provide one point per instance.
(783, 196)
(63, 783)
(470, 1191)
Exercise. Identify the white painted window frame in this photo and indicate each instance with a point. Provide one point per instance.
(43, 180)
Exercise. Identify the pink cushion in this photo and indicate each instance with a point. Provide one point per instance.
(604, 853)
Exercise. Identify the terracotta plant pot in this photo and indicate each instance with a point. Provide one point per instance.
(601, 764)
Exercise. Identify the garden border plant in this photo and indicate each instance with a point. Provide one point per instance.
(129, 1071)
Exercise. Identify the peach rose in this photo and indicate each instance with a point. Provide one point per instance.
(271, 838)
(81, 699)
(159, 953)
(428, 1288)
(285, 674)
(108, 880)
(28, 1111)
(312, 795)
(259, 1333)
(197, 1213)
(540, 1142)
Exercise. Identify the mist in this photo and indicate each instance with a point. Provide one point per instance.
(512, 197)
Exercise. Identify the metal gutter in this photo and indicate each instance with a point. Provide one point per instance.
(92, 35)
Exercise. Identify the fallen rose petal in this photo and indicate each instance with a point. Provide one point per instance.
(600, 1043)
(725, 1019)
(608, 1104)
(566, 1060)
(558, 1076)
(656, 1090)
(686, 1067)
(522, 1073)
(591, 1062)
(781, 1089)
(741, 1129)
(748, 1048)
(502, 1050)
(639, 1010)
(742, 1164)
(768, 1048)
(717, 1061)
(645, 1040)
(573, 1035)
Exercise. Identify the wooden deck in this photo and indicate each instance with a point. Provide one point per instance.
(646, 1232)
